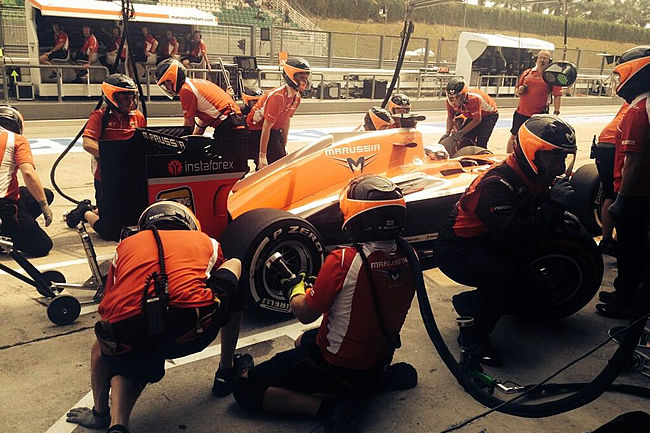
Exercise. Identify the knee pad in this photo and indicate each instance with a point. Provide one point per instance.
(249, 393)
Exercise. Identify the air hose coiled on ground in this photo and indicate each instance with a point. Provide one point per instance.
(585, 394)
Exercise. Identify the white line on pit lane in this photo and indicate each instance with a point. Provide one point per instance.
(291, 331)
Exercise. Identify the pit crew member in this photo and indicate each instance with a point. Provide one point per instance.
(85, 53)
(631, 208)
(479, 109)
(376, 119)
(59, 51)
(203, 100)
(535, 96)
(363, 292)
(20, 206)
(512, 205)
(167, 295)
(270, 118)
(117, 120)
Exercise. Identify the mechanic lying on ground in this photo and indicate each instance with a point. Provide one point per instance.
(203, 100)
(479, 109)
(270, 118)
(364, 293)
(512, 205)
(118, 120)
(158, 304)
(20, 206)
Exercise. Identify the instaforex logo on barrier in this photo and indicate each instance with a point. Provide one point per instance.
(176, 167)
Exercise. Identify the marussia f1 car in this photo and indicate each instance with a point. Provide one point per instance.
(291, 207)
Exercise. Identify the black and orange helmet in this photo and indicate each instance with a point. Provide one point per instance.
(545, 133)
(115, 84)
(457, 86)
(373, 209)
(168, 215)
(173, 71)
(376, 119)
(251, 95)
(633, 70)
(293, 66)
(399, 103)
(11, 119)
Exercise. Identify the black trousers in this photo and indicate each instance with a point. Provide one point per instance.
(19, 223)
(499, 279)
(274, 151)
(632, 230)
(483, 131)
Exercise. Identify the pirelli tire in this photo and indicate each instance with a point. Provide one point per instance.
(254, 236)
(565, 272)
(588, 198)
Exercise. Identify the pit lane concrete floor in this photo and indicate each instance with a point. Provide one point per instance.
(45, 369)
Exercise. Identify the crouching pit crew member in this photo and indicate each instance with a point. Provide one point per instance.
(364, 293)
(167, 295)
(204, 100)
(20, 206)
(512, 205)
(118, 120)
(270, 118)
(479, 109)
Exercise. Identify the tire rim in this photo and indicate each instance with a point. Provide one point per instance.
(295, 255)
(598, 203)
(562, 276)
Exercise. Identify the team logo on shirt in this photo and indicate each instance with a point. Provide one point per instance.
(393, 273)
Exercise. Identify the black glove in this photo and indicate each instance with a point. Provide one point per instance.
(293, 286)
(616, 209)
(458, 135)
(571, 220)
(310, 281)
(562, 192)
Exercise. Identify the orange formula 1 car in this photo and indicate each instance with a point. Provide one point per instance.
(291, 207)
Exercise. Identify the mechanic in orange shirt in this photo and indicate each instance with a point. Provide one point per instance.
(84, 54)
(535, 96)
(270, 118)
(118, 120)
(479, 109)
(167, 295)
(631, 208)
(205, 101)
(363, 293)
(20, 206)
(198, 53)
(603, 152)
(171, 46)
(59, 50)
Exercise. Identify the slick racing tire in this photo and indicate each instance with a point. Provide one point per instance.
(588, 198)
(564, 274)
(472, 150)
(254, 236)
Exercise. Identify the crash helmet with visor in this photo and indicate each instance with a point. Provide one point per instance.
(633, 73)
(376, 119)
(170, 77)
(11, 119)
(399, 103)
(168, 215)
(295, 72)
(120, 93)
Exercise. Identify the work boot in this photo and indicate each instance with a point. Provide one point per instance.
(619, 309)
(462, 303)
(608, 297)
(76, 215)
(224, 379)
(340, 416)
(398, 377)
(609, 247)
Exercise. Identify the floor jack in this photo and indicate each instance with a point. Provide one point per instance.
(61, 309)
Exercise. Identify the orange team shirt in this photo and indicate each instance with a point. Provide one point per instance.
(277, 106)
(62, 37)
(118, 127)
(169, 48)
(190, 257)
(534, 99)
(477, 104)
(149, 45)
(611, 132)
(14, 150)
(200, 49)
(115, 45)
(90, 45)
(635, 138)
(207, 101)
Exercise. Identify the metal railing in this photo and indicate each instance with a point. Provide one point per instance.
(497, 82)
(59, 76)
(442, 80)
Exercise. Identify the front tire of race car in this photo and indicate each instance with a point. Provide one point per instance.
(588, 198)
(256, 235)
(565, 273)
